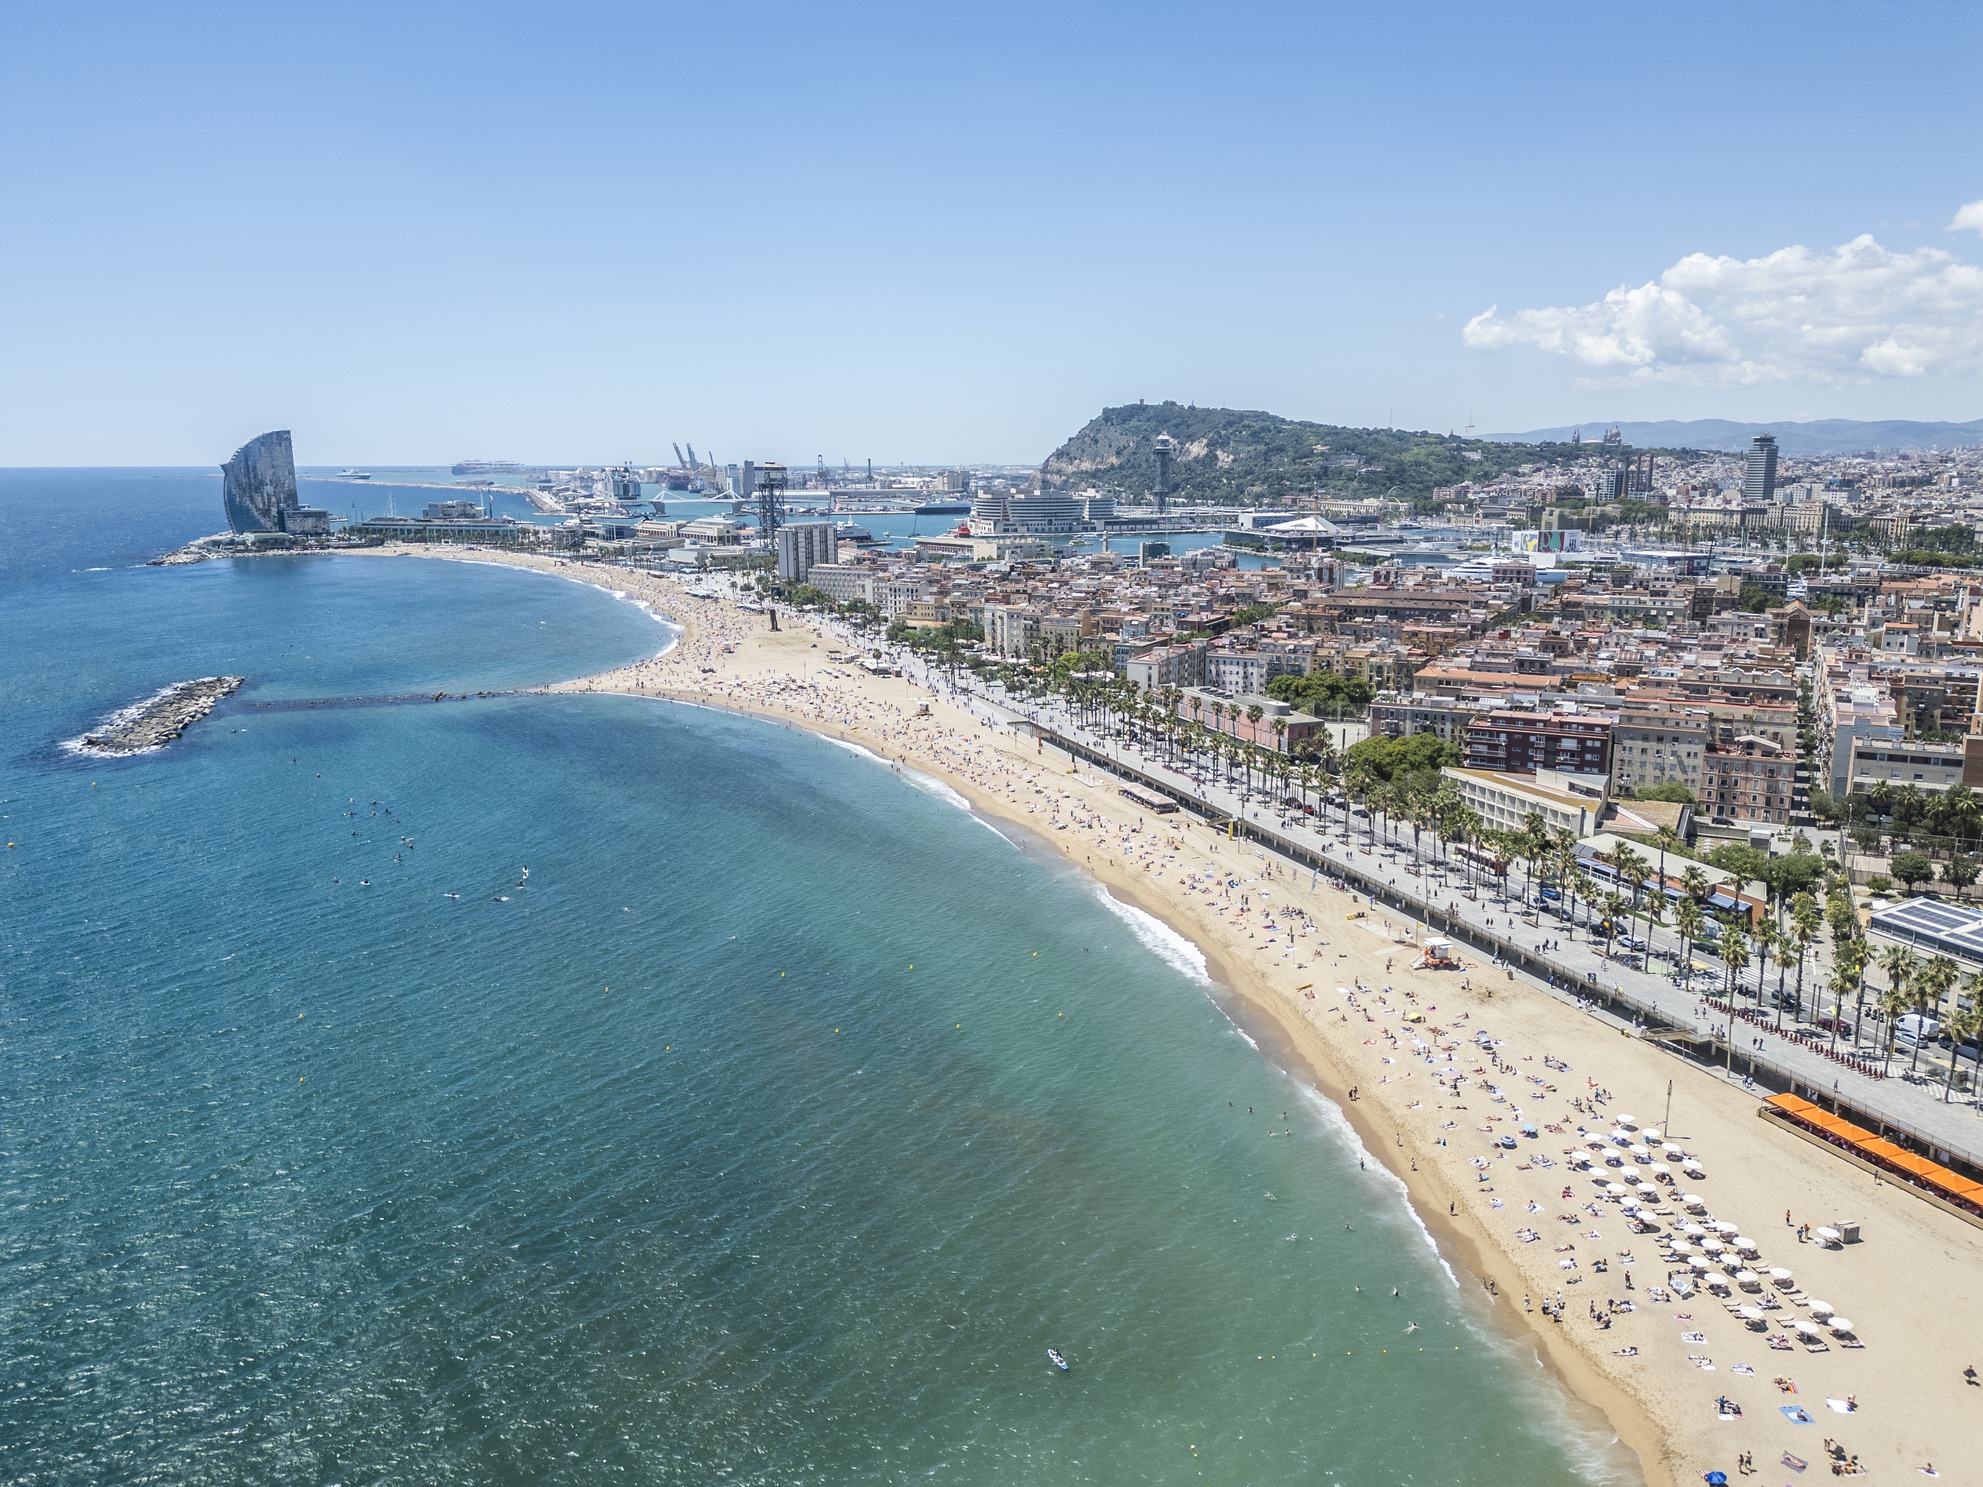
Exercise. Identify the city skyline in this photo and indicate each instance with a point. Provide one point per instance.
(882, 233)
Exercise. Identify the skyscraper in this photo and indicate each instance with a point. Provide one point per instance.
(258, 490)
(1759, 479)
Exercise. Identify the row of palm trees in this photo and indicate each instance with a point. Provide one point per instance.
(1620, 891)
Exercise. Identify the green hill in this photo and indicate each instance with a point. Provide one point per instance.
(1231, 455)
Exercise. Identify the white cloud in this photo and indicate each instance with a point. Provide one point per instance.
(1968, 217)
(1857, 312)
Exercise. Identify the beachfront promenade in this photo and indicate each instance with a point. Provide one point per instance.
(1574, 969)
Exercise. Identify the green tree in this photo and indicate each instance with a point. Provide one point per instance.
(1389, 758)
(1959, 872)
(1912, 868)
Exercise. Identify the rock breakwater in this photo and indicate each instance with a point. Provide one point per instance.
(159, 719)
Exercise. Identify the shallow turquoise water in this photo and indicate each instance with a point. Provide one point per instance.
(768, 1131)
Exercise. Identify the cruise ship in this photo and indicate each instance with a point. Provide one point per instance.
(354, 474)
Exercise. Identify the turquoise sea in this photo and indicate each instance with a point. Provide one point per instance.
(768, 1130)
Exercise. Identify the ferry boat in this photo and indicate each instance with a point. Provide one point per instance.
(354, 474)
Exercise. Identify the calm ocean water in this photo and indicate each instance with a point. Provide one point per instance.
(768, 1130)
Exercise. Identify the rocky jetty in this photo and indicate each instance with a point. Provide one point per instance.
(158, 720)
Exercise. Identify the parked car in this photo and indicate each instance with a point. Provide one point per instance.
(1830, 1024)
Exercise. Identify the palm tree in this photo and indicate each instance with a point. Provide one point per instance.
(1765, 937)
(1783, 954)
(1964, 1023)
(1847, 969)
(1687, 919)
(1696, 884)
(1805, 922)
(1931, 984)
(1666, 839)
(1631, 870)
(1614, 910)
(1734, 955)
(1900, 964)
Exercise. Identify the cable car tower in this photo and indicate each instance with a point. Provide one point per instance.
(772, 480)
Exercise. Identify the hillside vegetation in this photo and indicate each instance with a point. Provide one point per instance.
(1231, 455)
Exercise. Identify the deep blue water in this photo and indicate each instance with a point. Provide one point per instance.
(768, 1130)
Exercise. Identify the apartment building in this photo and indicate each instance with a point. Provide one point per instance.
(1524, 742)
(1657, 746)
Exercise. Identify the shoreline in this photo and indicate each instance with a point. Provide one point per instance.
(1656, 1401)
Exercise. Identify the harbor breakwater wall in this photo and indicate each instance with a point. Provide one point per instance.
(160, 718)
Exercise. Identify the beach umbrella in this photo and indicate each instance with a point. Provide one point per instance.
(1830, 1236)
(1747, 1246)
(1748, 1280)
(1700, 1266)
(1651, 1135)
(1693, 1201)
(1694, 1169)
(1840, 1325)
(1715, 1280)
(1682, 1247)
(1809, 1329)
(1716, 1479)
(1693, 1231)
(1621, 1138)
(1673, 1153)
(1723, 1226)
(1615, 1189)
(1625, 1120)
(1781, 1276)
(1713, 1246)
(1749, 1313)
(1816, 1307)
(1647, 1190)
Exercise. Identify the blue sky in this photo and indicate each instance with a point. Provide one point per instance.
(415, 232)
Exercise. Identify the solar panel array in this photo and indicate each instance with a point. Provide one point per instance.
(1951, 929)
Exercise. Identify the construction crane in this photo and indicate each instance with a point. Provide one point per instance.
(678, 457)
(693, 466)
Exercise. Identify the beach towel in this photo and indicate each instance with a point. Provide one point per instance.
(1839, 1406)
(1794, 1413)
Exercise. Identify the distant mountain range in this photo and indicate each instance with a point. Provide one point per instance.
(1820, 437)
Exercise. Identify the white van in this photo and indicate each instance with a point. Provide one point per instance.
(1915, 1030)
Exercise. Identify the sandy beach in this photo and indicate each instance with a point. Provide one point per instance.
(1435, 1069)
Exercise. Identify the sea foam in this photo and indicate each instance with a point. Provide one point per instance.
(1176, 951)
